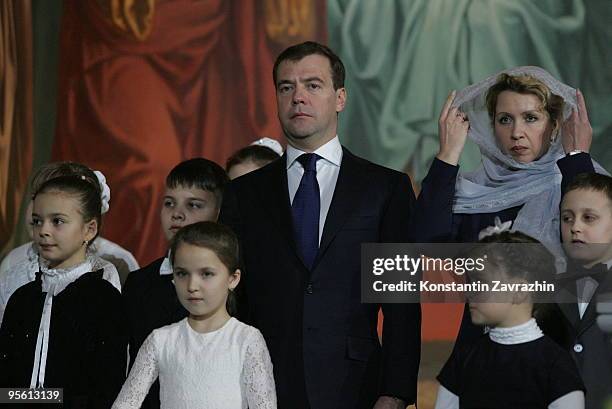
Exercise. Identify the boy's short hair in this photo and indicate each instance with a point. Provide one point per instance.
(199, 173)
(592, 181)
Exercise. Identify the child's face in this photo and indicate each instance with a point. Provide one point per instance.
(497, 309)
(586, 218)
(202, 281)
(489, 313)
(183, 206)
(59, 229)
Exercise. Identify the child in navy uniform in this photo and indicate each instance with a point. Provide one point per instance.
(515, 365)
(586, 229)
(194, 190)
(64, 329)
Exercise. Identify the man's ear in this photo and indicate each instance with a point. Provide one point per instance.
(340, 99)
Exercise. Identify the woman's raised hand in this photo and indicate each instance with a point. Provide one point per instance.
(453, 128)
(577, 133)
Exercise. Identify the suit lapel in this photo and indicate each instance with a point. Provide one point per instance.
(569, 309)
(279, 205)
(346, 194)
(162, 289)
(590, 315)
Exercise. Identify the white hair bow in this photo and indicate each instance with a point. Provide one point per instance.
(105, 189)
(270, 143)
(498, 227)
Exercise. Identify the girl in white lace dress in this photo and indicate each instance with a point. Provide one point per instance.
(209, 359)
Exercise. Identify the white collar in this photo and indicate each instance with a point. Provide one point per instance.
(55, 280)
(166, 267)
(526, 332)
(330, 151)
(32, 253)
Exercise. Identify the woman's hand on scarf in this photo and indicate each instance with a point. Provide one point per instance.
(453, 128)
(577, 133)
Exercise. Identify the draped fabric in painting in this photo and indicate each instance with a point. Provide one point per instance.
(16, 118)
(400, 72)
(143, 88)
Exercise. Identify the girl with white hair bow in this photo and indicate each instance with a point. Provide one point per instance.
(21, 264)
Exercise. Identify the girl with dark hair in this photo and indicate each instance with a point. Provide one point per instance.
(63, 330)
(252, 157)
(20, 265)
(208, 359)
(514, 365)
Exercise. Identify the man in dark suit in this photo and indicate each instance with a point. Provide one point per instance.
(301, 221)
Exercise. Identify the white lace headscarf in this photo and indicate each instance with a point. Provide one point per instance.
(501, 182)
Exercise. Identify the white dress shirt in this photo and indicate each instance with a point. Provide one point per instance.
(327, 174)
(586, 288)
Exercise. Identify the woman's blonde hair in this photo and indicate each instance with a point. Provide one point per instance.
(525, 84)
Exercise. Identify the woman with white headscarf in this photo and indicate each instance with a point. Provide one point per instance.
(533, 132)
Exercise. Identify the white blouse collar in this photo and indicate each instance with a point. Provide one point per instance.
(55, 280)
(32, 253)
(529, 331)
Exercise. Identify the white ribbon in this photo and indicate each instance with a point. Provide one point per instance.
(499, 227)
(105, 189)
(54, 281)
(270, 143)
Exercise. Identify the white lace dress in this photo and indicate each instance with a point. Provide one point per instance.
(229, 368)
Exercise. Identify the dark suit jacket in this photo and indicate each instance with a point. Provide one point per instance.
(590, 347)
(322, 339)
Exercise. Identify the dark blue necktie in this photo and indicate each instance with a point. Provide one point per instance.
(306, 208)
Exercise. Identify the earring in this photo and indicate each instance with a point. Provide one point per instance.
(85, 243)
